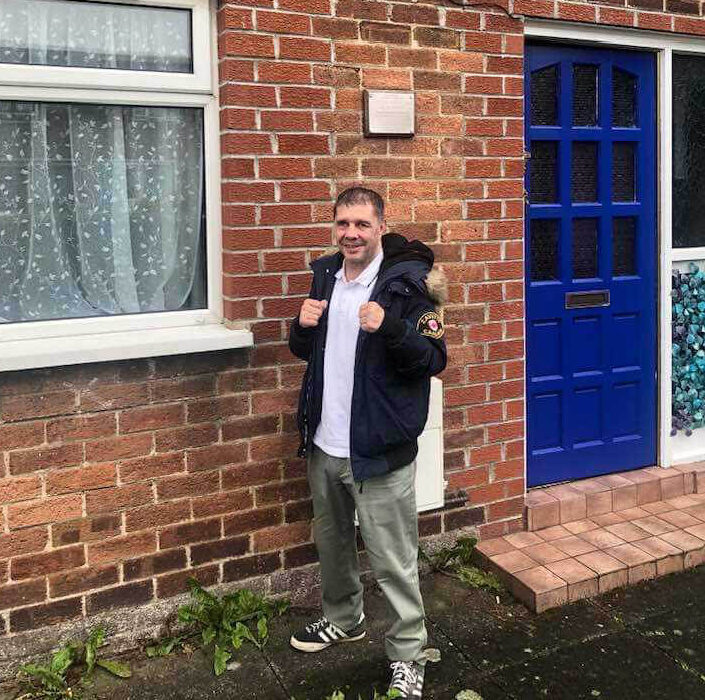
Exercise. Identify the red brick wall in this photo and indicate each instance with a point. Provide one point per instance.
(292, 81)
(120, 480)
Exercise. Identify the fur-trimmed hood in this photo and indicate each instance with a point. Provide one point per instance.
(398, 249)
(437, 287)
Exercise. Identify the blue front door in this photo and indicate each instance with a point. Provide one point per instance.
(590, 262)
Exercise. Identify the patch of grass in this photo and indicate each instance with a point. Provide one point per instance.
(458, 561)
(222, 624)
(69, 670)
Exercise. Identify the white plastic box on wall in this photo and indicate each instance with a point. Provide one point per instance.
(430, 485)
(429, 463)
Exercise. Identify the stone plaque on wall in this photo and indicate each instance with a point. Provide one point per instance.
(389, 113)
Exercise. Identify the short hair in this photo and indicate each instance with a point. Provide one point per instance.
(360, 195)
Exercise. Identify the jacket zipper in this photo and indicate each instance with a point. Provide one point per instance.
(303, 446)
(358, 353)
(307, 438)
(380, 283)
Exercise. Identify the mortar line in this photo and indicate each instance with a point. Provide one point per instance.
(277, 674)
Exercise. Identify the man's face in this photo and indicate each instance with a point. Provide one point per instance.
(358, 233)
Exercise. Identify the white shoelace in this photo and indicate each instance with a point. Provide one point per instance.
(325, 622)
(317, 625)
(404, 676)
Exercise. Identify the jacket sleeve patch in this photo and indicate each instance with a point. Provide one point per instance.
(430, 325)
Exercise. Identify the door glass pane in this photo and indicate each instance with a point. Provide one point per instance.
(583, 175)
(543, 172)
(544, 96)
(623, 172)
(544, 250)
(624, 246)
(623, 98)
(95, 35)
(688, 151)
(584, 95)
(584, 252)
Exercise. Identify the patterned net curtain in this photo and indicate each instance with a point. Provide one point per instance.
(94, 35)
(101, 207)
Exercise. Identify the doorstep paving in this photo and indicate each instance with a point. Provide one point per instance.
(600, 496)
(647, 640)
(562, 563)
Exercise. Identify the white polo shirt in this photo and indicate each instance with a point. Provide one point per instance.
(333, 433)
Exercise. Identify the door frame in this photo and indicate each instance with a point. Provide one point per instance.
(668, 450)
(571, 396)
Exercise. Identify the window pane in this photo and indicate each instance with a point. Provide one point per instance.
(623, 98)
(623, 246)
(543, 172)
(95, 35)
(623, 172)
(583, 176)
(544, 96)
(544, 250)
(584, 248)
(688, 151)
(101, 210)
(584, 95)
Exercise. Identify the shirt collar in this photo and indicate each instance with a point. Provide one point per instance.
(367, 276)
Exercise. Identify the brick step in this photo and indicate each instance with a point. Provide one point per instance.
(565, 503)
(583, 558)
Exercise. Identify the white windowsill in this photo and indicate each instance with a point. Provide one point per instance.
(122, 345)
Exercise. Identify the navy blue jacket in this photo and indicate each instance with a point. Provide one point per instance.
(393, 367)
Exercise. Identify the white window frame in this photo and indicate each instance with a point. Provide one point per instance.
(678, 449)
(25, 345)
(71, 77)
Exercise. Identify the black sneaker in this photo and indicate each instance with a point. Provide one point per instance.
(407, 680)
(321, 634)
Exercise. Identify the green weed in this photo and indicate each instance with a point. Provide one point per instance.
(458, 561)
(69, 670)
(222, 624)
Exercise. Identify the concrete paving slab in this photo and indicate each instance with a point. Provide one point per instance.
(491, 641)
(681, 635)
(447, 595)
(647, 641)
(357, 668)
(191, 677)
(652, 598)
(615, 666)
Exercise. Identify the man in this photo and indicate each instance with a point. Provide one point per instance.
(372, 339)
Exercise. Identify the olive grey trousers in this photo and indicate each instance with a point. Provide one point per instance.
(386, 511)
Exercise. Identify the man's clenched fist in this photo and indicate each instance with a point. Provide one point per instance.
(371, 316)
(311, 312)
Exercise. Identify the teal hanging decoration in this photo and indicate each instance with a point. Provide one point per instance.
(688, 380)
